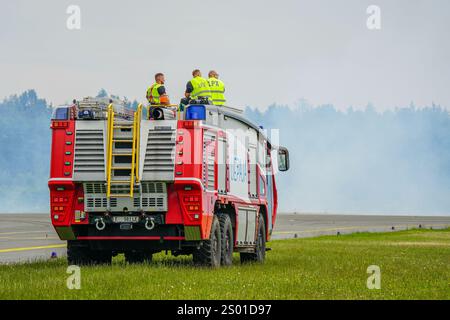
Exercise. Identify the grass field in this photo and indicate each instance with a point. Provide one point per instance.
(414, 264)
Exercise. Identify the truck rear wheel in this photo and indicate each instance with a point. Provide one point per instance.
(209, 253)
(80, 254)
(134, 257)
(226, 230)
(260, 251)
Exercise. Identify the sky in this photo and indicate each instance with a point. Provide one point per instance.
(265, 51)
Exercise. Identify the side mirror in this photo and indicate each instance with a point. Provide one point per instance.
(283, 159)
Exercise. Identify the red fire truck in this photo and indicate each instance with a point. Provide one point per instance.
(199, 181)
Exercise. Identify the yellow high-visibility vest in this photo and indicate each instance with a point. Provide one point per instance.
(153, 95)
(217, 91)
(200, 88)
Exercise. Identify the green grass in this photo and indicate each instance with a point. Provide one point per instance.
(414, 264)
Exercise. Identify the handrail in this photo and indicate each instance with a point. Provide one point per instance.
(110, 148)
(138, 139)
(162, 105)
(133, 155)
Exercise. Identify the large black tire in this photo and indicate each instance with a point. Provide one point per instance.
(209, 253)
(226, 230)
(79, 253)
(134, 257)
(260, 251)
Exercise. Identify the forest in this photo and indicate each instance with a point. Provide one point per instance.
(343, 161)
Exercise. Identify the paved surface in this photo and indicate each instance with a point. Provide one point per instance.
(28, 237)
(310, 225)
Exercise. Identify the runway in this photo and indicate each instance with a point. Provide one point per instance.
(30, 237)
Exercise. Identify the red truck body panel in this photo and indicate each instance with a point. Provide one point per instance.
(191, 202)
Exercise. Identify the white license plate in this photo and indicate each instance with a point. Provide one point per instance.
(129, 219)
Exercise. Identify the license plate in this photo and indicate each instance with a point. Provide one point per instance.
(129, 219)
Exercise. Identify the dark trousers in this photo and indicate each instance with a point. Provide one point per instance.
(199, 100)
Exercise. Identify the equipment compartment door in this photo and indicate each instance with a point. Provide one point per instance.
(246, 226)
(222, 165)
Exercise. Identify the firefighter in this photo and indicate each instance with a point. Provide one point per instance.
(197, 88)
(217, 89)
(156, 94)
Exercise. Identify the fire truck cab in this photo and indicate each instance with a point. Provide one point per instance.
(199, 182)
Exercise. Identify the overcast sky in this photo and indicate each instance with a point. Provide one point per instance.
(265, 51)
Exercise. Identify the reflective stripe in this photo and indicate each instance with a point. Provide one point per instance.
(150, 97)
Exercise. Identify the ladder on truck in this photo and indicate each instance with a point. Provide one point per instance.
(124, 131)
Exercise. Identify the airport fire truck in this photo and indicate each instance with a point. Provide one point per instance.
(199, 182)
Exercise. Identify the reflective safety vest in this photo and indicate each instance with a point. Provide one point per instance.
(153, 95)
(217, 91)
(200, 88)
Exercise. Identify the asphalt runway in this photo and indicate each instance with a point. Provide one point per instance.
(30, 237)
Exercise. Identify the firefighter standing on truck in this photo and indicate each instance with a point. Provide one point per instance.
(217, 88)
(197, 88)
(156, 94)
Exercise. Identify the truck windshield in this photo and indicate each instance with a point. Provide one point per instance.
(60, 113)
